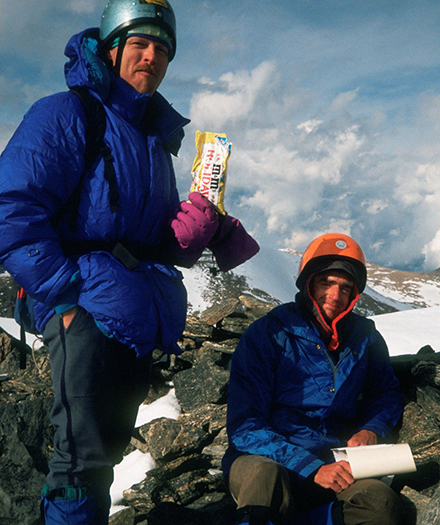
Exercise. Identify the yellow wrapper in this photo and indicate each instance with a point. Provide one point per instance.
(210, 167)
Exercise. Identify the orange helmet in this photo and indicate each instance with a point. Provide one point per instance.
(333, 251)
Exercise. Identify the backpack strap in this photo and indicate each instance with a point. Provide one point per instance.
(24, 316)
(95, 146)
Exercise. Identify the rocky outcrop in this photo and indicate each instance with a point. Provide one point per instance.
(186, 486)
(25, 431)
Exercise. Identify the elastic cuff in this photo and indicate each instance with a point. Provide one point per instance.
(68, 297)
(61, 308)
(103, 330)
(68, 492)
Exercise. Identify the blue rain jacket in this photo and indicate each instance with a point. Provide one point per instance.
(40, 169)
(289, 401)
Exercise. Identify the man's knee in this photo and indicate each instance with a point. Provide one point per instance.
(371, 502)
(262, 468)
(259, 481)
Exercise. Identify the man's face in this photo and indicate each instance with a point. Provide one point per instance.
(144, 63)
(332, 291)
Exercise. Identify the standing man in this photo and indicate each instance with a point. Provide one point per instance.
(310, 376)
(94, 243)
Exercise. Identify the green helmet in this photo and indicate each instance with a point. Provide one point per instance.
(123, 16)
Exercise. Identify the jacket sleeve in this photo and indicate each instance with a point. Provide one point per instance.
(39, 170)
(381, 404)
(250, 397)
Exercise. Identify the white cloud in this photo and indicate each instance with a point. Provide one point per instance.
(233, 97)
(310, 125)
(420, 186)
(343, 100)
(293, 178)
(375, 206)
(431, 251)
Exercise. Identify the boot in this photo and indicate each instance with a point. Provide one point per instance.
(328, 514)
(253, 515)
(74, 506)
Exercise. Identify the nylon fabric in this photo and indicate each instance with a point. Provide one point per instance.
(290, 402)
(98, 386)
(36, 181)
(83, 511)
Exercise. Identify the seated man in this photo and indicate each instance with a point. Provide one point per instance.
(311, 376)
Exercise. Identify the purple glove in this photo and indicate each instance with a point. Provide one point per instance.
(232, 245)
(193, 227)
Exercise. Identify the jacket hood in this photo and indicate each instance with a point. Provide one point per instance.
(86, 67)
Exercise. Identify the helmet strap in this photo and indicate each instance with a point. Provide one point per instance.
(121, 46)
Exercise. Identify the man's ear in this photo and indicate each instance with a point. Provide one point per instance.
(109, 56)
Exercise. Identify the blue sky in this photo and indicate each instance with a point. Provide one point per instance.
(333, 108)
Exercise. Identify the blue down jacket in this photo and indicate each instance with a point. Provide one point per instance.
(290, 402)
(40, 169)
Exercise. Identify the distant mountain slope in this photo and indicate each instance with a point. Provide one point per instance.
(271, 276)
(408, 288)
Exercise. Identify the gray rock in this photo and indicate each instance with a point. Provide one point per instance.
(255, 308)
(167, 439)
(205, 382)
(217, 312)
(430, 513)
(25, 431)
(235, 325)
(428, 398)
(427, 373)
(413, 503)
(421, 431)
(159, 487)
(25, 437)
(227, 346)
(123, 517)
(196, 328)
(210, 417)
(216, 450)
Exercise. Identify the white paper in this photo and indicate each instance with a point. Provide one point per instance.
(374, 461)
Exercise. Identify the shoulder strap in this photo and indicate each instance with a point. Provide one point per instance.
(95, 146)
(96, 124)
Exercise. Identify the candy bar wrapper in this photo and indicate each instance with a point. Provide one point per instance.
(210, 167)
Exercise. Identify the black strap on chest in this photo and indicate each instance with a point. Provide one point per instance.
(95, 147)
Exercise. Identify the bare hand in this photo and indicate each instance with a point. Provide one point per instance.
(68, 316)
(335, 476)
(362, 438)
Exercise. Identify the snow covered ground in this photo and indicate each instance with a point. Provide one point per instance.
(407, 331)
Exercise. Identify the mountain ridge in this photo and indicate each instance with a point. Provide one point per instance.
(271, 276)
